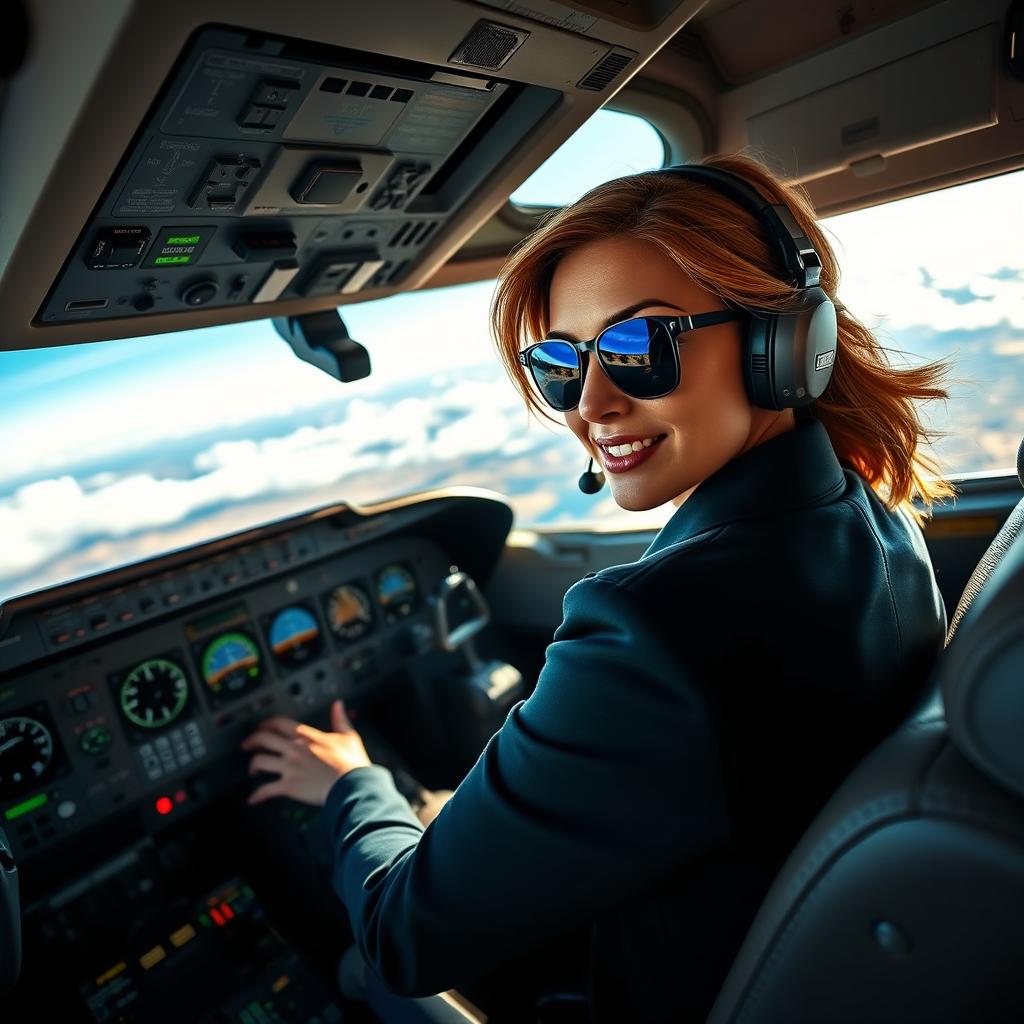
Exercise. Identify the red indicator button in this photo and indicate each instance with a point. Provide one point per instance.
(164, 805)
(227, 912)
(215, 914)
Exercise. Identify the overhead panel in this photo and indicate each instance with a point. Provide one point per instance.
(271, 169)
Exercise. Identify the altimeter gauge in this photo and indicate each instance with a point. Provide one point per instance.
(26, 752)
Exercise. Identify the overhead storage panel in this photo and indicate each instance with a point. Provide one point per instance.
(857, 122)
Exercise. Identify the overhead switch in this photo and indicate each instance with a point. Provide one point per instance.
(326, 182)
(401, 183)
(268, 104)
(223, 186)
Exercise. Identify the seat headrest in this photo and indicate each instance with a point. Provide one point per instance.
(982, 674)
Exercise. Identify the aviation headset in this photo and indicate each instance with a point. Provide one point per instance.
(787, 357)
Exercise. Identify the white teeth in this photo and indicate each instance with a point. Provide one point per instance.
(631, 446)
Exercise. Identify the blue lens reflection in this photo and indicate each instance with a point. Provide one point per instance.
(555, 367)
(639, 357)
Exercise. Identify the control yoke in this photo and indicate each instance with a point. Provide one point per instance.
(10, 918)
(480, 696)
(460, 613)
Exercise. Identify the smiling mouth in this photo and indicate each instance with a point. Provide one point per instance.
(620, 458)
(626, 447)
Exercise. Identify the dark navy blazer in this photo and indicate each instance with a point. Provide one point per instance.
(695, 709)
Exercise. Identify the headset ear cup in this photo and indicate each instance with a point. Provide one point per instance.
(822, 342)
(803, 351)
(758, 361)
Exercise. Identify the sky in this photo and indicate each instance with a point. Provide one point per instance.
(118, 450)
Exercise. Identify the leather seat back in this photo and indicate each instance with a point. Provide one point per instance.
(992, 557)
(905, 899)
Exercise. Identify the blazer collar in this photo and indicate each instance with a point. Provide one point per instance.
(792, 470)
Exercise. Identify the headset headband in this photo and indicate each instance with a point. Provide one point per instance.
(798, 254)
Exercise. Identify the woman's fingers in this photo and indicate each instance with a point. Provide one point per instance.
(267, 763)
(339, 720)
(264, 740)
(280, 724)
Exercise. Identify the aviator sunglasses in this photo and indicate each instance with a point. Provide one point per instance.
(639, 356)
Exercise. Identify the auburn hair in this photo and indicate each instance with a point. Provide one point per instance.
(868, 407)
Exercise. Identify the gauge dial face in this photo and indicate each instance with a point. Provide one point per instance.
(26, 751)
(349, 613)
(231, 666)
(396, 591)
(295, 636)
(154, 693)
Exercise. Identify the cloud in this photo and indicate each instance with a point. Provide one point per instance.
(404, 440)
(963, 296)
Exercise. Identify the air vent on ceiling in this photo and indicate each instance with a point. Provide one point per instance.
(488, 45)
(413, 232)
(606, 70)
(389, 273)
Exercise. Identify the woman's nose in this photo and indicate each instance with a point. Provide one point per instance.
(600, 398)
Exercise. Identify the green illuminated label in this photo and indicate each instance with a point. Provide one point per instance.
(172, 259)
(25, 806)
(183, 239)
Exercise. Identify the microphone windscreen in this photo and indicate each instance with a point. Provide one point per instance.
(591, 482)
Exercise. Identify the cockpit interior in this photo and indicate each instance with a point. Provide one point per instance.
(337, 183)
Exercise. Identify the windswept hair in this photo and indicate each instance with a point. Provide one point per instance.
(868, 408)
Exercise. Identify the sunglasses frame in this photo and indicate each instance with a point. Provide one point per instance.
(677, 326)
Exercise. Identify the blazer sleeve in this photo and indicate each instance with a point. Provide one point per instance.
(599, 785)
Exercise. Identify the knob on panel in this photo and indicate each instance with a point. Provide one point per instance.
(199, 293)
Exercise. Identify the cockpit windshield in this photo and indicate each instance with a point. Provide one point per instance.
(119, 450)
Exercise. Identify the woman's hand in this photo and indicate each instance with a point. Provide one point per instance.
(307, 760)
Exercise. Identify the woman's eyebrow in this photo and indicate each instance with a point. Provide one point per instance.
(622, 314)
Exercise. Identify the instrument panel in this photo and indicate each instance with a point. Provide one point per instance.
(154, 716)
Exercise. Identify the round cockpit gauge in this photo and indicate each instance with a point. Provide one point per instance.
(26, 750)
(349, 613)
(231, 666)
(294, 636)
(396, 591)
(154, 693)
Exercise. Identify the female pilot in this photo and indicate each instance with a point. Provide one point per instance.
(698, 706)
